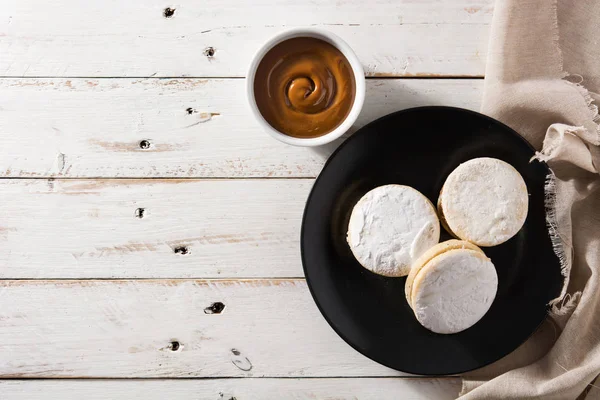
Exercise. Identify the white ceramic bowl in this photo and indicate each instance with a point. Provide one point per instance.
(359, 78)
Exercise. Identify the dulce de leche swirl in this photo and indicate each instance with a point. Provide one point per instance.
(304, 87)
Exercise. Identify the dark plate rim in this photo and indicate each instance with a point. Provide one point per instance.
(340, 147)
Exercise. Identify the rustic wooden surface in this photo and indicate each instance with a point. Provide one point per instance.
(115, 261)
(133, 38)
(196, 127)
(229, 228)
(122, 329)
(228, 389)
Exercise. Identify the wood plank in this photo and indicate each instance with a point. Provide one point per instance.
(92, 228)
(234, 389)
(196, 128)
(134, 38)
(93, 329)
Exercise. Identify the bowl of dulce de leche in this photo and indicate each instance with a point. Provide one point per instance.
(306, 87)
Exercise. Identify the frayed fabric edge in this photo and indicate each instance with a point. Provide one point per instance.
(565, 305)
(564, 302)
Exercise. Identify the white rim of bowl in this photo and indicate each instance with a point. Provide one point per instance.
(359, 79)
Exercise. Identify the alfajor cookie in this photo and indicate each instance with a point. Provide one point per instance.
(453, 290)
(390, 227)
(432, 252)
(484, 201)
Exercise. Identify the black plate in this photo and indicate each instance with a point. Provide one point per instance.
(419, 148)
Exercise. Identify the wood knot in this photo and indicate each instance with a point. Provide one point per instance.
(139, 212)
(183, 250)
(215, 308)
(174, 346)
(145, 144)
(190, 110)
(169, 12)
(209, 52)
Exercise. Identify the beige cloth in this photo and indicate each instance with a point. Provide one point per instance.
(543, 73)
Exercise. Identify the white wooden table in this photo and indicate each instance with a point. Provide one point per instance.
(137, 191)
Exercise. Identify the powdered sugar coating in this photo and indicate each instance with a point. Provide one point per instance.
(390, 227)
(454, 291)
(429, 255)
(484, 201)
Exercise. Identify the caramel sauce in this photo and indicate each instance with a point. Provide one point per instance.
(304, 87)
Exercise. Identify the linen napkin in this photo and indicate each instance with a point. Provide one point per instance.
(542, 79)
